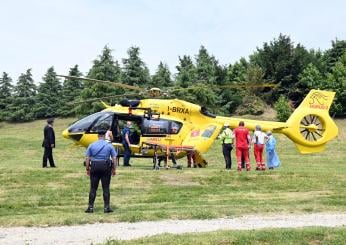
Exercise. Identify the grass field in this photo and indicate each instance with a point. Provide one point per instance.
(31, 196)
(307, 236)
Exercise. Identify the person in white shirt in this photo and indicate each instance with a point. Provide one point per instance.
(258, 140)
(109, 135)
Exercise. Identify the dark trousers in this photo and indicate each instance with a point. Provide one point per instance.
(95, 177)
(48, 155)
(226, 150)
(127, 154)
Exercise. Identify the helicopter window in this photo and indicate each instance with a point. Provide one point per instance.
(209, 131)
(155, 127)
(105, 121)
(84, 124)
(161, 126)
(175, 127)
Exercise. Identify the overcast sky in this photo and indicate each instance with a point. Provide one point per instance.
(61, 33)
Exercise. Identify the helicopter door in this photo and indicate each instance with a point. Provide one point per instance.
(202, 137)
(119, 124)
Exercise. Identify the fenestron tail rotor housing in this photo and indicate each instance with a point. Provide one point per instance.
(312, 127)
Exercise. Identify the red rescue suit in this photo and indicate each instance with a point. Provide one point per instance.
(242, 137)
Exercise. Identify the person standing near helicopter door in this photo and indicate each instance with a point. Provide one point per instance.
(126, 143)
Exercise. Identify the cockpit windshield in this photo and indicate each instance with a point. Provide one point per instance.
(85, 124)
(105, 121)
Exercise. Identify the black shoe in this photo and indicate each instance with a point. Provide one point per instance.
(127, 165)
(271, 168)
(89, 210)
(108, 210)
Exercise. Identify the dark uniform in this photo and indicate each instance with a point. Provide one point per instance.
(127, 150)
(101, 168)
(48, 144)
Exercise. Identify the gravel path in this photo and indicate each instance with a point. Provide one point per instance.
(98, 233)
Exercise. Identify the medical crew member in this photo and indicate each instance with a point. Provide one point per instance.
(126, 143)
(258, 141)
(227, 144)
(99, 167)
(242, 140)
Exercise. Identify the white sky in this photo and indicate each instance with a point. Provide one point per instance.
(38, 34)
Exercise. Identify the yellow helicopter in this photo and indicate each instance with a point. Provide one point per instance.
(174, 128)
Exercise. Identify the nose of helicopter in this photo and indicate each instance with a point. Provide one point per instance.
(65, 134)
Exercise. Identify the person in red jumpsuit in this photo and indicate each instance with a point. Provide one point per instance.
(242, 139)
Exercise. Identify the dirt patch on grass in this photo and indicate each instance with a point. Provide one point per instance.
(178, 180)
(74, 175)
(56, 186)
(290, 195)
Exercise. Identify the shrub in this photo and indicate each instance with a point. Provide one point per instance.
(283, 109)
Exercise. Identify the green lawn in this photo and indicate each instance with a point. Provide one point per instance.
(308, 236)
(30, 195)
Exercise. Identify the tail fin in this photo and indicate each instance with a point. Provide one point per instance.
(310, 125)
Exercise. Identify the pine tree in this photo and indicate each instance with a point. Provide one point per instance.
(135, 71)
(72, 89)
(49, 97)
(332, 55)
(162, 77)
(282, 63)
(6, 89)
(21, 109)
(105, 69)
(206, 67)
(186, 72)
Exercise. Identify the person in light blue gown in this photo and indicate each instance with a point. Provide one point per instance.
(273, 160)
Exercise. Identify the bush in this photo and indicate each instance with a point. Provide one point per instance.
(283, 109)
(252, 105)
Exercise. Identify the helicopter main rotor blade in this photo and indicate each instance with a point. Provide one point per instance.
(244, 85)
(121, 85)
(236, 85)
(101, 98)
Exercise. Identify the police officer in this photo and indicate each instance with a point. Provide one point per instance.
(100, 167)
(48, 143)
(126, 143)
(227, 144)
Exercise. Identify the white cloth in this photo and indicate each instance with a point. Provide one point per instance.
(260, 137)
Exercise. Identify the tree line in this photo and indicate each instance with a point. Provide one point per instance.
(200, 79)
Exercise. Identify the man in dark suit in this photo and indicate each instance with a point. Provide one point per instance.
(48, 143)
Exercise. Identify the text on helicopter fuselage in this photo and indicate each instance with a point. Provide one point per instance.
(178, 109)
